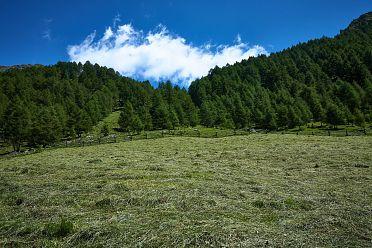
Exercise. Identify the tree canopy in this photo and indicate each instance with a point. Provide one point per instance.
(303, 83)
(39, 105)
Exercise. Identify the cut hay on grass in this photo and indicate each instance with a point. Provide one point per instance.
(243, 191)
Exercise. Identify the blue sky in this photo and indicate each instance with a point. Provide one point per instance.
(45, 32)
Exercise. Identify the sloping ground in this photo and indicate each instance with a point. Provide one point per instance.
(251, 191)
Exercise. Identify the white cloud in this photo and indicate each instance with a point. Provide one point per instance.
(108, 34)
(158, 55)
(116, 20)
(47, 34)
(238, 39)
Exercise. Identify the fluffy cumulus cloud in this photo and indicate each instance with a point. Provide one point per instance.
(157, 55)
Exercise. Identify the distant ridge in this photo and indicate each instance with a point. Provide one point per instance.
(5, 68)
(363, 23)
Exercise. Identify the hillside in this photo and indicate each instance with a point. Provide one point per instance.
(251, 191)
(5, 68)
(39, 105)
(327, 80)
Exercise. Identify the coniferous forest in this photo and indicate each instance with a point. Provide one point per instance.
(327, 80)
(42, 104)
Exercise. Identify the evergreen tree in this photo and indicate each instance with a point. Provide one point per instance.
(105, 130)
(359, 119)
(46, 128)
(194, 117)
(208, 114)
(160, 113)
(136, 124)
(17, 123)
(173, 118)
(270, 121)
(3, 106)
(146, 118)
(348, 95)
(334, 115)
(181, 116)
(191, 112)
(294, 118)
(240, 115)
(84, 124)
(126, 118)
(282, 114)
(227, 122)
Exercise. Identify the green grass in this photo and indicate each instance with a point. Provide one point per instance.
(111, 121)
(243, 191)
(319, 129)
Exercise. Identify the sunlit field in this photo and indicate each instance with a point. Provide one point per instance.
(257, 190)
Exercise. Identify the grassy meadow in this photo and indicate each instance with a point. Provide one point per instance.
(242, 191)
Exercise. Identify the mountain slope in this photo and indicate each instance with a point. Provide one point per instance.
(5, 68)
(40, 105)
(327, 79)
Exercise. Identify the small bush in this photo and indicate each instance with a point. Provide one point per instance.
(270, 217)
(274, 205)
(361, 166)
(105, 130)
(60, 229)
(19, 201)
(258, 204)
(155, 168)
(25, 231)
(268, 205)
(291, 203)
(104, 202)
(13, 199)
(95, 161)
